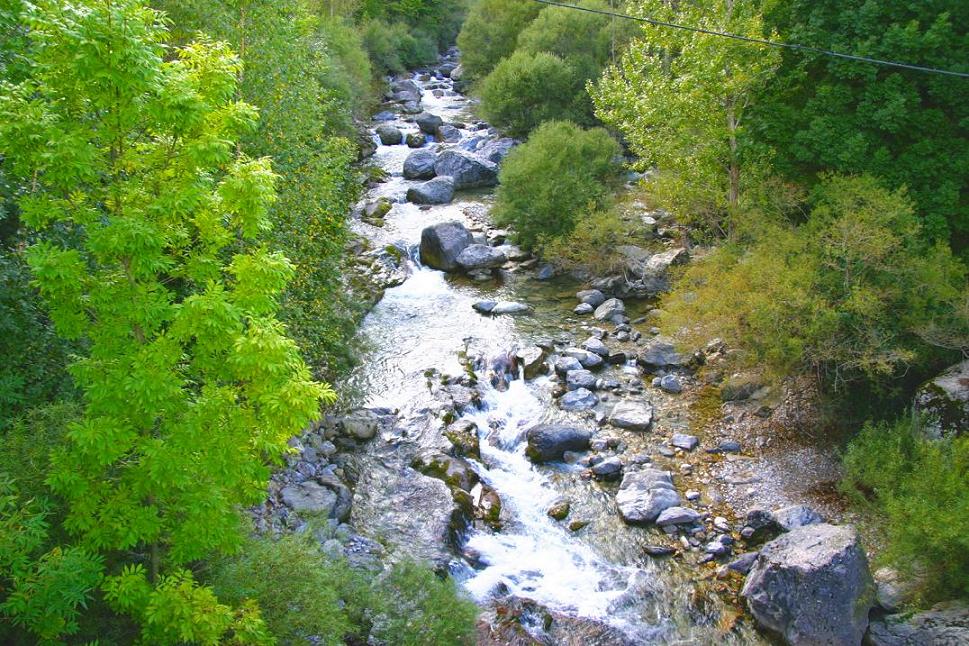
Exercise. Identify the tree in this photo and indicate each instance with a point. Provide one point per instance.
(559, 175)
(190, 386)
(490, 33)
(681, 100)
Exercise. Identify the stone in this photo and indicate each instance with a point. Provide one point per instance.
(545, 272)
(564, 365)
(479, 256)
(463, 436)
(420, 165)
(559, 510)
(453, 471)
(945, 624)
(467, 169)
(439, 190)
(415, 139)
(661, 262)
(532, 361)
(943, 403)
(659, 550)
(513, 252)
(584, 357)
(389, 135)
(510, 307)
(738, 388)
(743, 563)
(592, 297)
(608, 469)
(386, 115)
(644, 494)
(583, 309)
(448, 134)
(812, 586)
(609, 309)
(671, 384)
(726, 446)
(578, 400)
(595, 346)
(660, 355)
(684, 441)
(548, 442)
(457, 73)
(796, 516)
(428, 123)
(677, 516)
(717, 547)
(441, 244)
(484, 307)
(360, 425)
(309, 497)
(576, 379)
(633, 415)
(496, 151)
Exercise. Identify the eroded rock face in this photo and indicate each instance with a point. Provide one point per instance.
(441, 244)
(467, 169)
(945, 624)
(645, 494)
(812, 586)
(548, 442)
(943, 403)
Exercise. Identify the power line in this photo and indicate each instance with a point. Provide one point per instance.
(759, 41)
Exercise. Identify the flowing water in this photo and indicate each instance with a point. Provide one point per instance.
(599, 573)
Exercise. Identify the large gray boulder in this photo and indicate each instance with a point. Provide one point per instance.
(480, 256)
(448, 134)
(420, 165)
(812, 586)
(496, 151)
(428, 123)
(548, 442)
(389, 135)
(441, 244)
(467, 169)
(610, 309)
(439, 190)
(660, 355)
(645, 494)
(632, 415)
(943, 403)
(309, 498)
(946, 624)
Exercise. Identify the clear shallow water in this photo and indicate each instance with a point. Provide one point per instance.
(600, 572)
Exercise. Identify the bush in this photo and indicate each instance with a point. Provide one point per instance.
(849, 296)
(527, 89)
(561, 174)
(592, 244)
(490, 33)
(920, 488)
(394, 49)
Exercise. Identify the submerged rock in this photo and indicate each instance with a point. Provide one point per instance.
(643, 495)
(812, 586)
(441, 244)
(548, 442)
(510, 307)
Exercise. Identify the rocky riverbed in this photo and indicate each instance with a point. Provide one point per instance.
(535, 435)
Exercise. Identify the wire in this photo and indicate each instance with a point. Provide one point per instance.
(759, 41)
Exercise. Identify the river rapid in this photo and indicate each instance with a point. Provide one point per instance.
(590, 572)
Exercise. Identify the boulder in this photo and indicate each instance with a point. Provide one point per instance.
(532, 361)
(420, 165)
(496, 151)
(565, 364)
(309, 498)
(661, 262)
(594, 345)
(795, 516)
(405, 85)
(374, 212)
(587, 359)
(448, 134)
(389, 135)
(944, 624)
(610, 309)
(453, 471)
(467, 169)
(578, 400)
(677, 516)
(633, 415)
(684, 441)
(457, 73)
(593, 297)
(644, 494)
(361, 425)
(943, 403)
(671, 384)
(480, 256)
(415, 139)
(812, 586)
(441, 244)
(576, 379)
(660, 354)
(463, 435)
(608, 469)
(428, 123)
(548, 442)
(510, 307)
(439, 190)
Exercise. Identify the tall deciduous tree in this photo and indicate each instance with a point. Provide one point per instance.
(681, 98)
(191, 386)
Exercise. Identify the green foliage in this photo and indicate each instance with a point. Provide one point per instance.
(395, 48)
(849, 295)
(592, 244)
(920, 487)
(908, 128)
(559, 175)
(680, 99)
(490, 33)
(526, 90)
(439, 20)
(27, 441)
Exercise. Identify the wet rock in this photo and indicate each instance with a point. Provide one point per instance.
(374, 212)
(945, 624)
(360, 425)
(583, 309)
(796, 516)
(632, 414)
(309, 497)
(439, 190)
(559, 510)
(453, 471)
(509, 307)
(564, 365)
(726, 446)
(463, 435)
(484, 307)
(576, 379)
(389, 135)
(610, 309)
(645, 494)
(608, 469)
(467, 169)
(595, 346)
(415, 140)
(578, 400)
(578, 524)
(592, 297)
(677, 516)
(812, 586)
(685, 442)
(532, 361)
(420, 165)
(448, 134)
(441, 244)
(660, 355)
(584, 357)
(479, 256)
(386, 115)
(743, 563)
(428, 123)
(943, 403)
(659, 550)
(548, 442)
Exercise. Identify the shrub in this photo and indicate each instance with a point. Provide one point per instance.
(562, 173)
(920, 487)
(592, 244)
(490, 33)
(528, 89)
(393, 48)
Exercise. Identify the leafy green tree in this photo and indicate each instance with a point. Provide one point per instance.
(525, 90)
(908, 128)
(190, 386)
(559, 175)
(681, 101)
(490, 33)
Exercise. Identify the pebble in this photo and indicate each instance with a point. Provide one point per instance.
(721, 523)
(692, 495)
